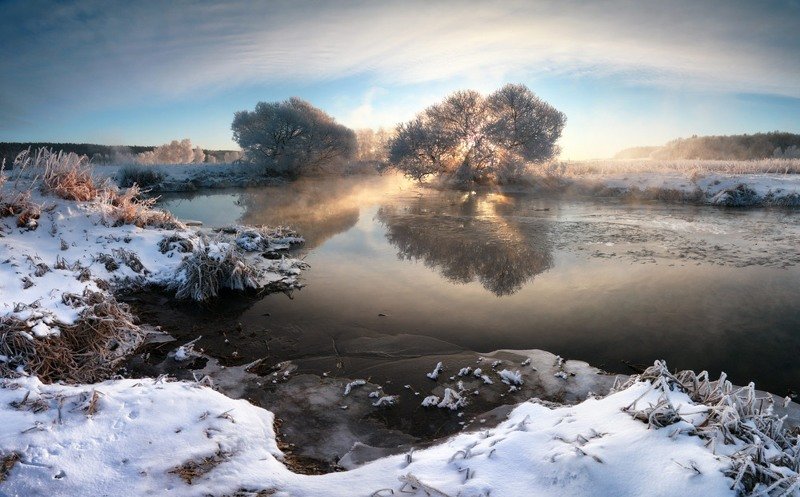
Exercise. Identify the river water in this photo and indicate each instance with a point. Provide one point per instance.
(398, 270)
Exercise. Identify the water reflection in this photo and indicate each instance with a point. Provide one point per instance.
(466, 237)
(316, 209)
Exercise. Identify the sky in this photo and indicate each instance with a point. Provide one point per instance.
(625, 72)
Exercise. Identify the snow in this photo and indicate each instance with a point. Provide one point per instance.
(511, 377)
(355, 383)
(386, 401)
(128, 437)
(436, 371)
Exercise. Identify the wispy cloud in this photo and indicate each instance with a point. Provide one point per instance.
(109, 52)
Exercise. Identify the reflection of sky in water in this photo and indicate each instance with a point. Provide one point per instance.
(602, 282)
(217, 209)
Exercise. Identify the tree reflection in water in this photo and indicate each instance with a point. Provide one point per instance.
(468, 237)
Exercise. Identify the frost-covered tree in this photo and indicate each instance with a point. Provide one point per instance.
(791, 152)
(175, 152)
(231, 156)
(471, 137)
(372, 144)
(292, 137)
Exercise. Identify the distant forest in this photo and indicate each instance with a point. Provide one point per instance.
(100, 154)
(733, 147)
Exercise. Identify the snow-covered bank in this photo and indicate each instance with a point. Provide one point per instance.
(659, 436)
(188, 177)
(61, 260)
(690, 185)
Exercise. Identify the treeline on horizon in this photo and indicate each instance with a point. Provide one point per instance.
(775, 144)
(99, 154)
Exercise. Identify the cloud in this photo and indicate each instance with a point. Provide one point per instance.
(100, 53)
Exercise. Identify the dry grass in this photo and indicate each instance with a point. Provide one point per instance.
(84, 352)
(129, 207)
(191, 470)
(175, 242)
(69, 176)
(19, 205)
(66, 175)
(7, 463)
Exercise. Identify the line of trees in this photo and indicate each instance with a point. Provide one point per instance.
(175, 152)
(468, 137)
(731, 147)
(115, 154)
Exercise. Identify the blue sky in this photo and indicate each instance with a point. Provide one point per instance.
(625, 72)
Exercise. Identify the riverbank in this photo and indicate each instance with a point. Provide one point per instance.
(70, 244)
(659, 434)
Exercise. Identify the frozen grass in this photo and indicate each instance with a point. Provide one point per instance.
(765, 458)
(129, 207)
(143, 176)
(768, 182)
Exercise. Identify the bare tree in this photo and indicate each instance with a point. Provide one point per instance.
(292, 137)
(473, 138)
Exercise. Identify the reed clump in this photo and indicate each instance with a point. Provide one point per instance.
(86, 351)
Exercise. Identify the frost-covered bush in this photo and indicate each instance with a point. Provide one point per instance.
(86, 351)
(66, 175)
(764, 455)
(135, 175)
(128, 207)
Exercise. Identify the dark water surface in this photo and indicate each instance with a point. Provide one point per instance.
(398, 270)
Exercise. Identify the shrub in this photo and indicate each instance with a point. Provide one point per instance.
(142, 176)
(130, 208)
(175, 152)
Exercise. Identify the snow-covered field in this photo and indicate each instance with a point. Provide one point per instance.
(155, 437)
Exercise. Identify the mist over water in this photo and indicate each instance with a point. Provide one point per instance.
(396, 264)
